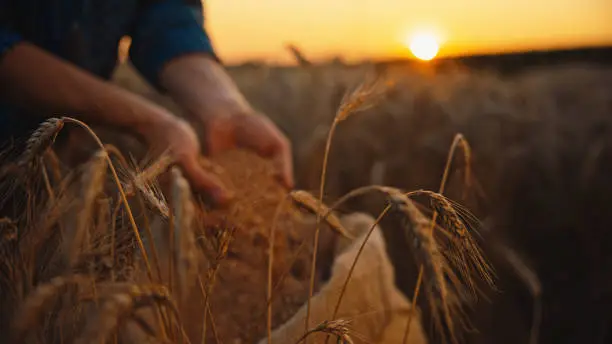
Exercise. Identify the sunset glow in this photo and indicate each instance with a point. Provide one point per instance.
(361, 29)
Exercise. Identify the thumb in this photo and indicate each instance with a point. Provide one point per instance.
(202, 181)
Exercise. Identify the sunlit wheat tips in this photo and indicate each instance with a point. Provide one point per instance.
(362, 98)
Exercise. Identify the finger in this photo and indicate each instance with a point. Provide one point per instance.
(202, 181)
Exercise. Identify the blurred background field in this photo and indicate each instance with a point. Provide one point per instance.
(540, 128)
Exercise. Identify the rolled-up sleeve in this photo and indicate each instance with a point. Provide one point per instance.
(164, 30)
(8, 39)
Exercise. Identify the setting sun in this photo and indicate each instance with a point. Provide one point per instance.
(423, 45)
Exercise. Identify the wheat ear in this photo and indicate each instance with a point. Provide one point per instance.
(41, 139)
(126, 204)
(436, 270)
(338, 328)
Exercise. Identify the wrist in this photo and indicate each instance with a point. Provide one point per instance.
(203, 88)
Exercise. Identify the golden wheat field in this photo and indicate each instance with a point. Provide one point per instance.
(490, 196)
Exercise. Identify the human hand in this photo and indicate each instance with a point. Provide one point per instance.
(178, 138)
(255, 132)
(211, 99)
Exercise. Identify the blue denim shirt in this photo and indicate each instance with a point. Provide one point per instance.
(87, 33)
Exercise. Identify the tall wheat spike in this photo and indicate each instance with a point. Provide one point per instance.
(364, 97)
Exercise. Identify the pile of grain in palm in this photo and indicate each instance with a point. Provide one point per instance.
(238, 299)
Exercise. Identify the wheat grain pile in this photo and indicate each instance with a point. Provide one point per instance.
(239, 297)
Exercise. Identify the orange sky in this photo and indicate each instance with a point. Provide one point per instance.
(258, 29)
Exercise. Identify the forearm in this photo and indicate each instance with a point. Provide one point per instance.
(201, 85)
(34, 79)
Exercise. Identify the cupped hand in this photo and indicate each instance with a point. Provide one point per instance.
(207, 93)
(254, 132)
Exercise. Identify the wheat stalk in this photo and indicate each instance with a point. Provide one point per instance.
(183, 216)
(356, 259)
(459, 139)
(121, 191)
(222, 241)
(126, 204)
(271, 239)
(360, 99)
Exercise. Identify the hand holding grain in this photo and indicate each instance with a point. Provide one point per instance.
(213, 102)
(253, 132)
(179, 139)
